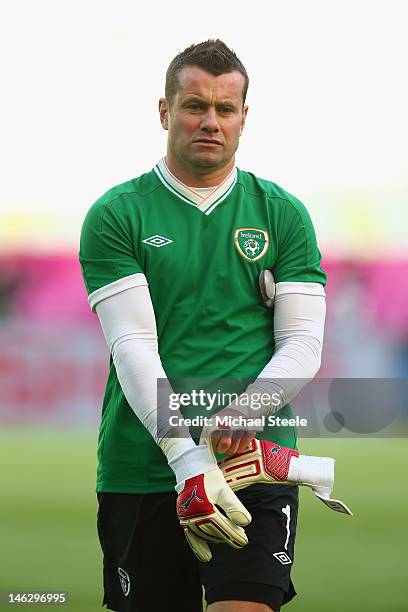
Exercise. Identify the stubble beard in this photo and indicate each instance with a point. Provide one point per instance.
(205, 163)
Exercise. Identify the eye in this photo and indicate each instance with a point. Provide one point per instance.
(225, 110)
(194, 106)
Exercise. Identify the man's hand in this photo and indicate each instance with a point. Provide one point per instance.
(231, 442)
(228, 440)
(266, 462)
(202, 521)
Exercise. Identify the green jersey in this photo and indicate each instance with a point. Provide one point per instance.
(201, 254)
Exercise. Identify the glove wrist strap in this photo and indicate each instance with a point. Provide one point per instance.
(188, 460)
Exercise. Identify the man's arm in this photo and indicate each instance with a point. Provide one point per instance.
(298, 328)
(299, 317)
(128, 322)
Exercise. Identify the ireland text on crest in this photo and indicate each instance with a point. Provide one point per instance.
(251, 242)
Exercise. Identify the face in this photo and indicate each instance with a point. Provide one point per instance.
(205, 120)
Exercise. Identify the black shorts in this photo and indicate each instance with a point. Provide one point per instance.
(149, 566)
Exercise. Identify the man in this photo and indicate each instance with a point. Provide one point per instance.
(171, 262)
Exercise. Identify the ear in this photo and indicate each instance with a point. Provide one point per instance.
(164, 113)
(244, 114)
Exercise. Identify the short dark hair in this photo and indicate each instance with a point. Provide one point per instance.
(211, 55)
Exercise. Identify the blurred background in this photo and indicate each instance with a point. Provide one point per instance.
(327, 121)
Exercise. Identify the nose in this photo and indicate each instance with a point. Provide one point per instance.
(209, 122)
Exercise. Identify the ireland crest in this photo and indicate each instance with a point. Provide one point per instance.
(251, 242)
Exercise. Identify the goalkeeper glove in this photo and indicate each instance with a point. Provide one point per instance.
(207, 508)
(266, 462)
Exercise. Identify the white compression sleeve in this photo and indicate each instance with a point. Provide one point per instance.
(299, 315)
(129, 325)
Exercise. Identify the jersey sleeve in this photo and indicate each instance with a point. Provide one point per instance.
(107, 257)
(298, 258)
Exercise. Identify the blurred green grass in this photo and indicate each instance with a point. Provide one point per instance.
(47, 516)
(49, 542)
(355, 564)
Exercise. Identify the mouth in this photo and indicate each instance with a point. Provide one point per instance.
(207, 142)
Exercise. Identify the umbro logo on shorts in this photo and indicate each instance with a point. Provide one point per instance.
(157, 241)
(124, 581)
(283, 558)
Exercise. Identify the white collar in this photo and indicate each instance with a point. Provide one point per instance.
(206, 202)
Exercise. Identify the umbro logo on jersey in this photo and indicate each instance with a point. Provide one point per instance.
(157, 241)
(251, 242)
(124, 581)
(283, 558)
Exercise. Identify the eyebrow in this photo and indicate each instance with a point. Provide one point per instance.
(197, 98)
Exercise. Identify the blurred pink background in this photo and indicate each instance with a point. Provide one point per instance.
(53, 357)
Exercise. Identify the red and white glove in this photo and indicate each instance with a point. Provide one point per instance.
(266, 462)
(203, 523)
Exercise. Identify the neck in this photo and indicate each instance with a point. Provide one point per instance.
(193, 177)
